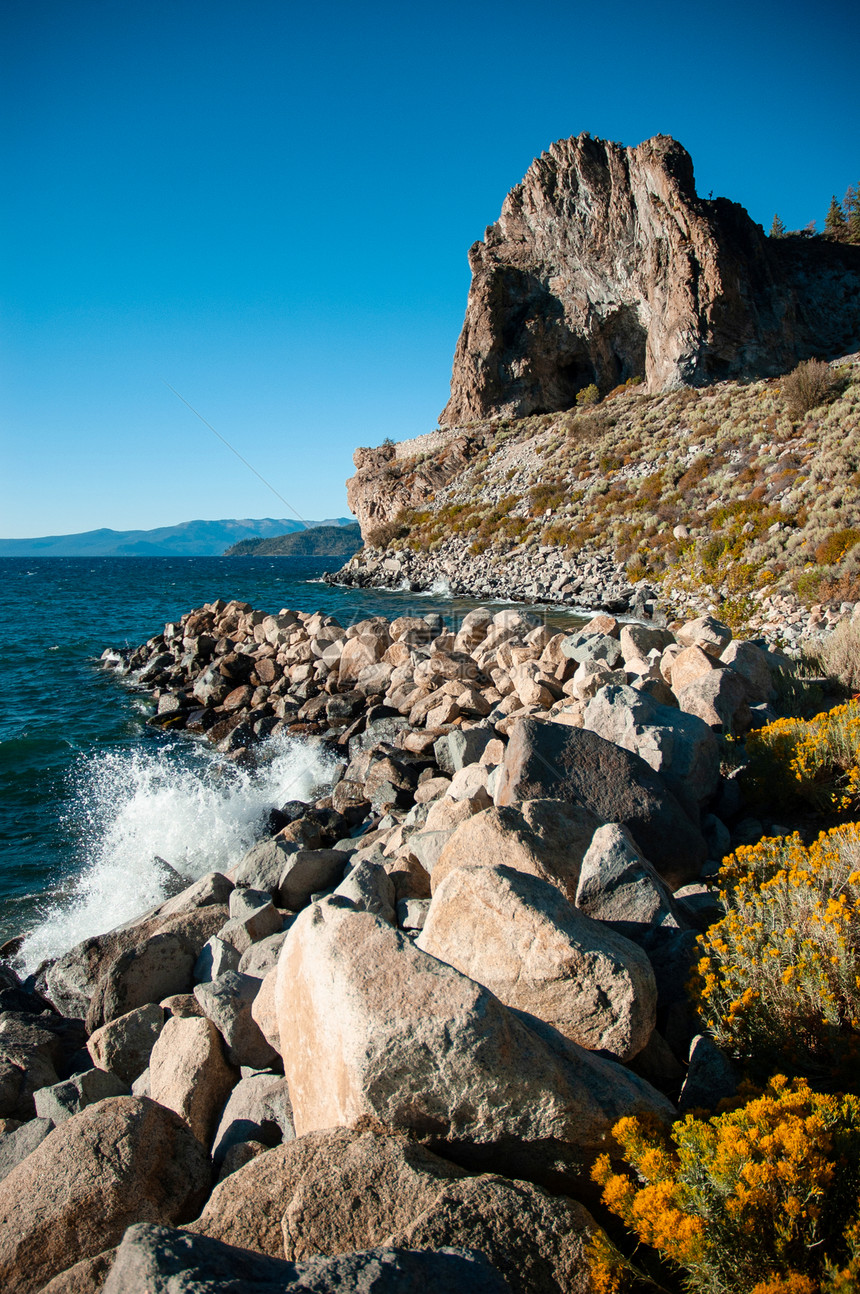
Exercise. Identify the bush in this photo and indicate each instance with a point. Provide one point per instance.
(832, 549)
(589, 395)
(809, 385)
(386, 533)
(814, 760)
(760, 1200)
(840, 655)
(777, 983)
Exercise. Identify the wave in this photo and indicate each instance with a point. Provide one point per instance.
(134, 808)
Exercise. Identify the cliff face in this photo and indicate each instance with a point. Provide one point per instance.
(604, 264)
(391, 478)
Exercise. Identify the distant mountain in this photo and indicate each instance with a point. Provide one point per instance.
(188, 539)
(321, 541)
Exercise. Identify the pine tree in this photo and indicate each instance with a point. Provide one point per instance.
(835, 224)
(777, 229)
(852, 213)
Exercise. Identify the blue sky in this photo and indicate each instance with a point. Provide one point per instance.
(268, 205)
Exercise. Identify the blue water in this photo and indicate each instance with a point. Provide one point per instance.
(88, 793)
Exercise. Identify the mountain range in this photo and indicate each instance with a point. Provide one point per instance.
(188, 539)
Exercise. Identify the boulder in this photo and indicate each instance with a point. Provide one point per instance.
(264, 1011)
(370, 888)
(678, 745)
(159, 1258)
(548, 759)
(711, 635)
(711, 1077)
(189, 1074)
(307, 872)
(520, 937)
(227, 1003)
(216, 957)
(117, 1162)
(719, 699)
(753, 666)
(258, 1109)
(688, 666)
(209, 889)
(20, 1143)
(123, 1045)
(619, 887)
(638, 640)
(371, 1025)
(263, 865)
(140, 963)
(543, 838)
(86, 1277)
(63, 1100)
(260, 958)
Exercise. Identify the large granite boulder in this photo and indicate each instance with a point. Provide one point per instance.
(616, 785)
(520, 937)
(372, 1025)
(120, 1161)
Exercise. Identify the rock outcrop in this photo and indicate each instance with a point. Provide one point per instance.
(605, 265)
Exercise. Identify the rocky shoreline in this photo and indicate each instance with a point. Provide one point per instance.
(386, 1046)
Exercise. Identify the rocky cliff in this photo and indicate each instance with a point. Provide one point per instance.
(605, 264)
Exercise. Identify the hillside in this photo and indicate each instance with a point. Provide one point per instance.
(323, 541)
(188, 539)
(726, 495)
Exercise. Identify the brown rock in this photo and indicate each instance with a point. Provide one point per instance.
(690, 664)
(521, 938)
(543, 838)
(120, 1161)
(605, 264)
(371, 1025)
(189, 1074)
(86, 1277)
(264, 1010)
(123, 1046)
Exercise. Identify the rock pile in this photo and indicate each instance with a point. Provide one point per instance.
(387, 1046)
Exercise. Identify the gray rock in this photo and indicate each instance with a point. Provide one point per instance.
(123, 1046)
(717, 836)
(153, 1259)
(259, 1109)
(427, 847)
(678, 745)
(594, 647)
(370, 888)
(458, 748)
(263, 865)
(550, 760)
(701, 905)
(618, 886)
(412, 913)
(711, 1077)
(307, 872)
(259, 959)
(216, 958)
(227, 1003)
(63, 1100)
(141, 1085)
(719, 699)
(17, 1145)
(209, 889)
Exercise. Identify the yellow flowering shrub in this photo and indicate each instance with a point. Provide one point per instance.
(816, 760)
(760, 1200)
(779, 980)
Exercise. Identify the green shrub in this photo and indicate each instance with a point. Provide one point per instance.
(589, 395)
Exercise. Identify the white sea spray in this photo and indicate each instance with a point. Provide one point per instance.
(180, 804)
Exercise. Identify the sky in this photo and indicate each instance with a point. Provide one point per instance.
(268, 206)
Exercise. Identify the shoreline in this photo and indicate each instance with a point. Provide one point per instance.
(348, 999)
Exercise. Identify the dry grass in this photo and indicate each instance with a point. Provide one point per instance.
(770, 500)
